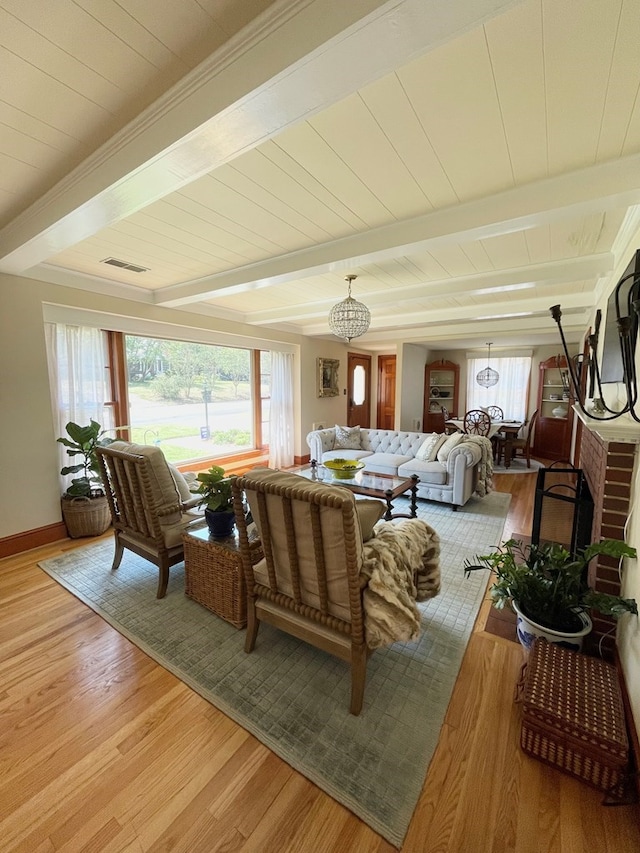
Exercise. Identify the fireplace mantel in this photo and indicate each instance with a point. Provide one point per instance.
(623, 429)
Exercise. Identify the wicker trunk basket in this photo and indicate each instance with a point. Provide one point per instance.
(573, 717)
(86, 516)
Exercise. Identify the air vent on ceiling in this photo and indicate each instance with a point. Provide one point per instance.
(125, 265)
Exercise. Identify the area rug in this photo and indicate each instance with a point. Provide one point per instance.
(294, 698)
(519, 466)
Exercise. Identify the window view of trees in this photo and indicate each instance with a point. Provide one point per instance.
(196, 400)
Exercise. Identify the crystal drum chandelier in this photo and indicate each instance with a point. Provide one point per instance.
(349, 319)
(488, 377)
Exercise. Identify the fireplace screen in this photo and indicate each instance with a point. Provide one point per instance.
(563, 509)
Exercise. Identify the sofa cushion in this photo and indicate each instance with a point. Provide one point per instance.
(429, 447)
(385, 463)
(347, 438)
(433, 473)
(446, 448)
(345, 454)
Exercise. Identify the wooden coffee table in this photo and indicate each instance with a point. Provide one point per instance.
(385, 487)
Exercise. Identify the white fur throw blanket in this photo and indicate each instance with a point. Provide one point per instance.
(484, 484)
(401, 566)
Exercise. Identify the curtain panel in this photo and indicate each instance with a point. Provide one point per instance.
(77, 359)
(510, 393)
(281, 425)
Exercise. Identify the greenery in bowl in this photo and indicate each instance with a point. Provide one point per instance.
(549, 584)
(215, 489)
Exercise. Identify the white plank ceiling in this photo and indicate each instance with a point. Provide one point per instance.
(472, 166)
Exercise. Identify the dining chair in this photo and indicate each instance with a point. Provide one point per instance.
(449, 427)
(477, 422)
(495, 413)
(519, 446)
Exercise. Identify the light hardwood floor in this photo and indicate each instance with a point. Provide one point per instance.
(103, 750)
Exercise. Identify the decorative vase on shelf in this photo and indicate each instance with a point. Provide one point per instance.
(559, 412)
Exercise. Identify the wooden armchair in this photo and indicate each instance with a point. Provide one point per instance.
(312, 580)
(147, 512)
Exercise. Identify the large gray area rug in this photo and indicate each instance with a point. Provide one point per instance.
(519, 466)
(294, 698)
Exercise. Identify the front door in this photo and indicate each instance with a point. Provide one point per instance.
(386, 410)
(359, 390)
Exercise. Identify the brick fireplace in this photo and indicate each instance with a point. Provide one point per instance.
(607, 455)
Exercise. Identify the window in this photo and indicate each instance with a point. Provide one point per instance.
(196, 400)
(511, 392)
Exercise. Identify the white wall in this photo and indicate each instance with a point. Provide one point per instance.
(410, 386)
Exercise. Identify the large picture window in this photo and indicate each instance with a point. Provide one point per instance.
(195, 400)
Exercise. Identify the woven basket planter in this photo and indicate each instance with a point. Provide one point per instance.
(86, 516)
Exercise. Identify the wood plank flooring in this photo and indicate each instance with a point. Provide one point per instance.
(103, 750)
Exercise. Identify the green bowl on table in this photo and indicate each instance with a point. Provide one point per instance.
(343, 469)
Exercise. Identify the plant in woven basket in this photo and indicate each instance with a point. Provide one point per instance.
(83, 441)
(85, 508)
(548, 584)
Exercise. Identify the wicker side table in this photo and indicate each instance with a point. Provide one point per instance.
(213, 573)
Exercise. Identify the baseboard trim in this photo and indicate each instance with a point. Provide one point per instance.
(29, 539)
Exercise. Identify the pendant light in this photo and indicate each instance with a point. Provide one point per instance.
(488, 377)
(349, 318)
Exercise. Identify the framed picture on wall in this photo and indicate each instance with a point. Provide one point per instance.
(328, 377)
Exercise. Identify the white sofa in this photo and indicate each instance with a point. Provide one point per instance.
(451, 481)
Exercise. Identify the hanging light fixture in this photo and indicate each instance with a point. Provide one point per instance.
(488, 377)
(349, 318)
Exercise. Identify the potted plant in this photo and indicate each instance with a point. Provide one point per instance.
(547, 588)
(84, 505)
(215, 489)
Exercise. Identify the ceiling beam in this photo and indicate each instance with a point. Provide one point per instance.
(602, 187)
(296, 59)
(486, 283)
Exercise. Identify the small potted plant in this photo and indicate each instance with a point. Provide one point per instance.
(217, 500)
(84, 505)
(547, 588)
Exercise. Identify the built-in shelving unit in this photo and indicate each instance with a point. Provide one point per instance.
(441, 382)
(552, 439)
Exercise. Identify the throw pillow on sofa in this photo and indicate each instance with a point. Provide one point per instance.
(347, 438)
(448, 445)
(429, 447)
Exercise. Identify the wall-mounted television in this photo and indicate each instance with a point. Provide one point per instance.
(611, 361)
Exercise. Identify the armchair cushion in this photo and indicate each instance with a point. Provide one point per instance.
(370, 511)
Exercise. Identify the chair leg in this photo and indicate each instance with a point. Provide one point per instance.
(163, 578)
(358, 677)
(253, 623)
(117, 557)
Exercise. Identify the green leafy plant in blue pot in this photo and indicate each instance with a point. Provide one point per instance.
(215, 488)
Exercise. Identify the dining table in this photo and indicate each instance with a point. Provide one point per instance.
(509, 429)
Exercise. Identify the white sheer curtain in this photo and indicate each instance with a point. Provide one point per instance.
(77, 359)
(511, 391)
(281, 424)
